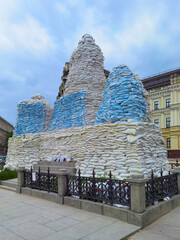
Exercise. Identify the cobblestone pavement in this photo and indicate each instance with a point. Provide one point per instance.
(25, 217)
(165, 228)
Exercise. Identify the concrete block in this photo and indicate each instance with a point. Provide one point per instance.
(166, 207)
(175, 201)
(92, 207)
(53, 197)
(37, 193)
(135, 218)
(114, 212)
(72, 202)
(18, 189)
(151, 215)
(26, 191)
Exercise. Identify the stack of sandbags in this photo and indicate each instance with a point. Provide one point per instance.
(33, 116)
(86, 73)
(124, 98)
(69, 111)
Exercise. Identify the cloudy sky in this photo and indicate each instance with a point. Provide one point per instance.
(38, 36)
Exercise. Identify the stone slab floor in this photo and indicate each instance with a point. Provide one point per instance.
(165, 228)
(25, 217)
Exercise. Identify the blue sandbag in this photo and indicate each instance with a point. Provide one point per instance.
(123, 98)
(31, 118)
(69, 111)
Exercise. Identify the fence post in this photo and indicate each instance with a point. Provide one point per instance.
(110, 188)
(62, 182)
(39, 178)
(177, 170)
(137, 193)
(20, 179)
(93, 186)
(79, 184)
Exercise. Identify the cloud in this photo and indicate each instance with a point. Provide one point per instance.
(61, 8)
(24, 34)
(14, 78)
(31, 36)
(37, 37)
(123, 37)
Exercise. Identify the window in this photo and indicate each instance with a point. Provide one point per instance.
(156, 121)
(156, 105)
(168, 142)
(168, 102)
(168, 122)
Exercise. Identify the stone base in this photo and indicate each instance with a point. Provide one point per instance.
(122, 148)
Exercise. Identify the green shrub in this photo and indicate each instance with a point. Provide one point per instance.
(8, 174)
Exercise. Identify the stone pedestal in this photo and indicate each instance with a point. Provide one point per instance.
(177, 170)
(20, 179)
(62, 182)
(138, 196)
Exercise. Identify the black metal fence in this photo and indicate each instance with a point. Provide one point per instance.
(104, 190)
(41, 180)
(108, 191)
(158, 188)
(176, 164)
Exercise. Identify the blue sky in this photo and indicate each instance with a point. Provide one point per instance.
(38, 36)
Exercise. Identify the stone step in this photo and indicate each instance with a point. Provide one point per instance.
(8, 183)
(8, 188)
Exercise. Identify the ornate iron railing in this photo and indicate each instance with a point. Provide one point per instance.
(158, 188)
(173, 165)
(108, 191)
(41, 180)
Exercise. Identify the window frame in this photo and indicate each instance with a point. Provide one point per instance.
(157, 124)
(168, 122)
(168, 142)
(156, 105)
(168, 102)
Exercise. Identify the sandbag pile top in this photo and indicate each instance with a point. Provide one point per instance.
(124, 98)
(86, 73)
(69, 111)
(33, 116)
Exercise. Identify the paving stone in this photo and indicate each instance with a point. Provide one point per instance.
(46, 220)
(145, 235)
(62, 223)
(113, 231)
(165, 228)
(32, 231)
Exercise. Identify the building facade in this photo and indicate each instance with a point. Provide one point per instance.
(5, 127)
(164, 93)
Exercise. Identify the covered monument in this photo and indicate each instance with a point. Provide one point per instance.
(100, 125)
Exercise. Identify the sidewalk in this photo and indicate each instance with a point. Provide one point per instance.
(165, 228)
(25, 217)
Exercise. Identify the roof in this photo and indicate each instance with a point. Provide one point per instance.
(1, 118)
(160, 79)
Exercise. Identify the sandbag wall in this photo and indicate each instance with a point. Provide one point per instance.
(123, 98)
(69, 111)
(86, 73)
(123, 149)
(33, 116)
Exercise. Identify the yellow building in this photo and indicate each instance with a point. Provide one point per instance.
(164, 93)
